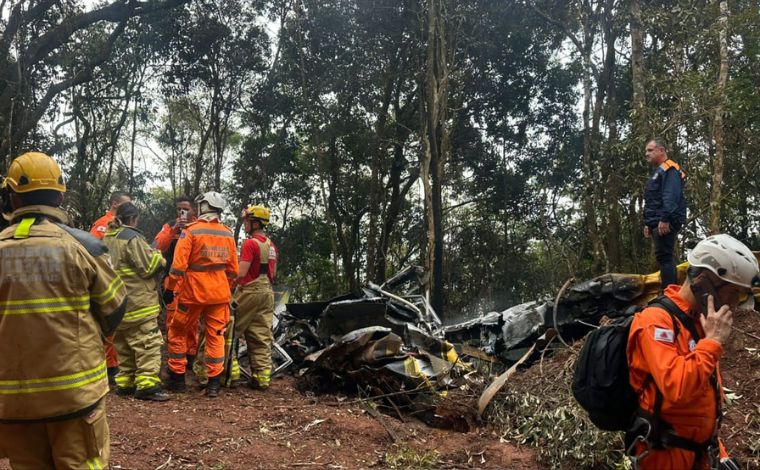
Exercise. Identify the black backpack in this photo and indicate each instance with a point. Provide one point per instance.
(600, 382)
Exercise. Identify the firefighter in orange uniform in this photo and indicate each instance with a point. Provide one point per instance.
(100, 226)
(98, 230)
(254, 297)
(204, 267)
(58, 297)
(166, 242)
(673, 360)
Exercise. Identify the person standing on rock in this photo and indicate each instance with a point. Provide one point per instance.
(664, 207)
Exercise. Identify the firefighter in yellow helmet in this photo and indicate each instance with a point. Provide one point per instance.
(59, 297)
(254, 297)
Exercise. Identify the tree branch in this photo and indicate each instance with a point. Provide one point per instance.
(80, 77)
(114, 12)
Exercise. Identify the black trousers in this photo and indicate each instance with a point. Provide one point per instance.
(663, 251)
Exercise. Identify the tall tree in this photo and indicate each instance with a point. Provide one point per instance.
(718, 164)
(435, 139)
(34, 38)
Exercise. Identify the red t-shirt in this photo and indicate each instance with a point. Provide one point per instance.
(250, 252)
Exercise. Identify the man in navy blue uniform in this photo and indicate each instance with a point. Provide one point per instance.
(664, 207)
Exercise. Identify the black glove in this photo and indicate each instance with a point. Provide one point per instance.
(729, 464)
(168, 296)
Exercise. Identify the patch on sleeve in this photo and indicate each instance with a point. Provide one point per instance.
(101, 229)
(664, 335)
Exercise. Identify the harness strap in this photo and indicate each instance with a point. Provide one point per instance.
(656, 432)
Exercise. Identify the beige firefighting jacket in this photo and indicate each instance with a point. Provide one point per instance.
(58, 297)
(137, 264)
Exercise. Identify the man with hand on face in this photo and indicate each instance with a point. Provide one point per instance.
(673, 359)
(166, 242)
(167, 238)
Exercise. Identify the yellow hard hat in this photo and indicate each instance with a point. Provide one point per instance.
(257, 212)
(33, 171)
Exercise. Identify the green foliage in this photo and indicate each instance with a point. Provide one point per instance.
(404, 457)
(313, 108)
(304, 260)
(561, 432)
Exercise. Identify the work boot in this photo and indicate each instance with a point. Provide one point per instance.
(125, 391)
(176, 383)
(213, 386)
(152, 394)
(260, 380)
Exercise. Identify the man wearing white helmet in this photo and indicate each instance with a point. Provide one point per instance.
(205, 265)
(673, 359)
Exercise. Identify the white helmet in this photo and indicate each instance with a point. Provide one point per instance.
(728, 258)
(213, 200)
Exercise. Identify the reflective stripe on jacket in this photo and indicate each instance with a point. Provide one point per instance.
(205, 262)
(139, 266)
(58, 297)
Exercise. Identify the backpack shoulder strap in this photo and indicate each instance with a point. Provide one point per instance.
(688, 322)
(676, 315)
(93, 246)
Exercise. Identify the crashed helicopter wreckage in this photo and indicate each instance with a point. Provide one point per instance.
(394, 345)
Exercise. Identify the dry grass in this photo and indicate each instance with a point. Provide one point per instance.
(536, 408)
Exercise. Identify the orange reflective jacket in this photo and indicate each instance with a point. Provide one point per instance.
(205, 262)
(680, 367)
(164, 239)
(100, 226)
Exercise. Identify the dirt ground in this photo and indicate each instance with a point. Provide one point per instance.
(740, 369)
(283, 428)
(286, 429)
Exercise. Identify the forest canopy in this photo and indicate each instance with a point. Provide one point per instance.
(498, 144)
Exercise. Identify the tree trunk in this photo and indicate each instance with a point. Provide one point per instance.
(612, 165)
(435, 144)
(589, 202)
(376, 191)
(132, 149)
(717, 177)
(638, 119)
(638, 79)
